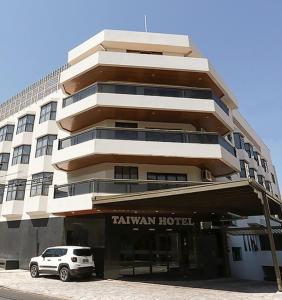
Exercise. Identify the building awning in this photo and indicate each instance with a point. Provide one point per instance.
(243, 198)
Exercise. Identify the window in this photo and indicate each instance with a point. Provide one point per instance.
(264, 165)
(261, 180)
(253, 174)
(21, 155)
(268, 186)
(55, 252)
(82, 252)
(126, 172)
(48, 112)
(16, 189)
(249, 149)
(257, 158)
(4, 161)
(238, 140)
(40, 184)
(237, 253)
(2, 189)
(229, 137)
(25, 123)
(273, 178)
(6, 133)
(166, 176)
(44, 145)
(244, 173)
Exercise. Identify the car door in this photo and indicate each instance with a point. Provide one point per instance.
(48, 263)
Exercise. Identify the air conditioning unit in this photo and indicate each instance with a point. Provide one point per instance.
(206, 175)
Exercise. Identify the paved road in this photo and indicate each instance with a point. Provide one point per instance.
(8, 294)
(93, 289)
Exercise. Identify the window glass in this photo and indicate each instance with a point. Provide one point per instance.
(261, 180)
(237, 253)
(268, 186)
(238, 140)
(48, 112)
(253, 174)
(25, 123)
(273, 178)
(40, 184)
(249, 149)
(6, 133)
(166, 176)
(21, 155)
(82, 252)
(2, 189)
(126, 172)
(44, 145)
(244, 173)
(4, 161)
(16, 189)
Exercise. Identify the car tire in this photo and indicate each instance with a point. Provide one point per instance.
(34, 272)
(64, 274)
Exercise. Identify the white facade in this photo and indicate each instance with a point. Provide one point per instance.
(162, 86)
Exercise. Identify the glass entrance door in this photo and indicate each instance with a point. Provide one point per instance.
(150, 252)
(166, 252)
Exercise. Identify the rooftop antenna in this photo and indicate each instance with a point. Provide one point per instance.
(145, 23)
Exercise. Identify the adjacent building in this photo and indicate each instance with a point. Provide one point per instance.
(136, 148)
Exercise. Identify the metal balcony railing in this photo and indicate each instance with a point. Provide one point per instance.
(155, 135)
(130, 89)
(114, 186)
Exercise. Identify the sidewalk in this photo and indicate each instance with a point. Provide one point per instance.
(129, 290)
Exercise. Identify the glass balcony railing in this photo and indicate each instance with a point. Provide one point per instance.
(120, 186)
(155, 135)
(146, 91)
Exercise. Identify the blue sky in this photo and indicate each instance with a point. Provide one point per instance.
(243, 40)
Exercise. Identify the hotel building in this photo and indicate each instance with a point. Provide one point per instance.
(136, 148)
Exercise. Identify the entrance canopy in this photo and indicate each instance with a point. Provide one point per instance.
(243, 198)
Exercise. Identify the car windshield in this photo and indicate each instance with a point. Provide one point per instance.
(82, 252)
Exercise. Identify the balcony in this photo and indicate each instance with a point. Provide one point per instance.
(144, 102)
(115, 186)
(107, 66)
(146, 91)
(78, 196)
(174, 147)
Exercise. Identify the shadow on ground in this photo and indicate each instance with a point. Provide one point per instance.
(222, 284)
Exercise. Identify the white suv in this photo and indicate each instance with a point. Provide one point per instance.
(65, 261)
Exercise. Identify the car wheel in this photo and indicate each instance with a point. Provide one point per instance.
(64, 274)
(34, 272)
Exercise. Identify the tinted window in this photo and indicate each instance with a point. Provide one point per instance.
(57, 252)
(82, 252)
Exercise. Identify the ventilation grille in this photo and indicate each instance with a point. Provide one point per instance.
(31, 94)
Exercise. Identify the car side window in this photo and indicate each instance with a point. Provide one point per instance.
(61, 252)
(49, 253)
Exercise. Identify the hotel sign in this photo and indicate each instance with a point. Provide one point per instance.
(143, 220)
